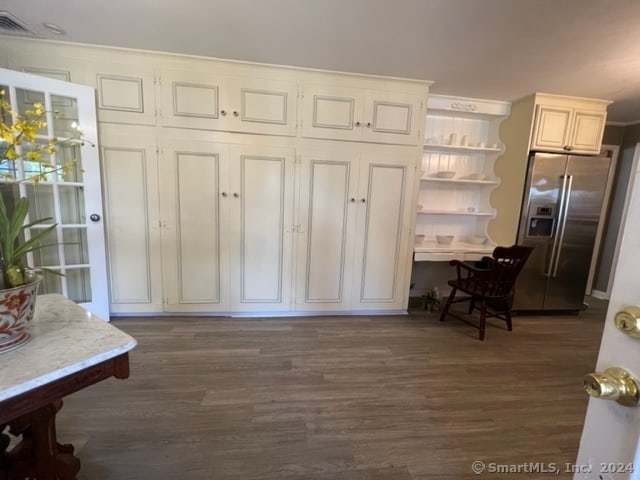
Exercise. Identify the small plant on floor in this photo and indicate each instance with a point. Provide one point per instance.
(431, 300)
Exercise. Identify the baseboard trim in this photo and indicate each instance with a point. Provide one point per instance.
(599, 294)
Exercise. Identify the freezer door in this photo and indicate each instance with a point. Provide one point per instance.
(586, 180)
(537, 227)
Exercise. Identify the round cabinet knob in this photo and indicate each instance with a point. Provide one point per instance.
(357, 124)
(235, 113)
(236, 195)
(614, 383)
(567, 148)
(352, 200)
(223, 113)
(363, 200)
(224, 194)
(627, 320)
(369, 124)
(94, 217)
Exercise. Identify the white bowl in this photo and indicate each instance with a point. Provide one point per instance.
(476, 176)
(446, 174)
(419, 238)
(444, 239)
(476, 239)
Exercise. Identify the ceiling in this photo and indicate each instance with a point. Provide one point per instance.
(494, 49)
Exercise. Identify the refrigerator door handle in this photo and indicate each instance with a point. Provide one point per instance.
(564, 223)
(554, 247)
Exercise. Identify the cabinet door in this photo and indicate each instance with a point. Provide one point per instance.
(326, 232)
(262, 106)
(588, 128)
(261, 207)
(382, 229)
(191, 99)
(551, 128)
(126, 93)
(194, 215)
(391, 117)
(130, 170)
(332, 112)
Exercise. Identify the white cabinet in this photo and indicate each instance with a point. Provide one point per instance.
(344, 113)
(226, 214)
(461, 145)
(354, 220)
(132, 226)
(211, 101)
(568, 125)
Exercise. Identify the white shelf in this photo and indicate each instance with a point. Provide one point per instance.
(434, 252)
(459, 180)
(455, 212)
(460, 148)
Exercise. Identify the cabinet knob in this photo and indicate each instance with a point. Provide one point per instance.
(357, 124)
(567, 148)
(235, 113)
(369, 124)
(223, 113)
(224, 194)
(352, 200)
(94, 217)
(363, 200)
(236, 195)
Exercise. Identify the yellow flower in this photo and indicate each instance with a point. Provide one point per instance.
(34, 156)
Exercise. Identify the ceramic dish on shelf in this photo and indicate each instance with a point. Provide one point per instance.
(419, 238)
(476, 176)
(446, 174)
(444, 239)
(476, 239)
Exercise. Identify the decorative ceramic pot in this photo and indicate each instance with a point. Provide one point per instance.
(16, 309)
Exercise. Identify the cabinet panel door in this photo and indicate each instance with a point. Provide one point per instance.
(332, 112)
(126, 93)
(132, 233)
(588, 128)
(325, 241)
(262, 106)
(551, 128)
(194, 217)
(192, 99)
(391, 118)
(381, 243)
(261, 229)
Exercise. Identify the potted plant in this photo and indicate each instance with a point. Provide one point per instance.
(20, 141)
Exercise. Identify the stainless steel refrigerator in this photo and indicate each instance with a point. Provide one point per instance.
(561, 208)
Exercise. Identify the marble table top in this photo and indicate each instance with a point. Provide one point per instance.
(65, 339)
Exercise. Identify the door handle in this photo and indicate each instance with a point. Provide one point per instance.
(627, 321)
(563, 191)
(614, 383)
(564, 223)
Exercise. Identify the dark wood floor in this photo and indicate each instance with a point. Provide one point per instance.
(336, 398)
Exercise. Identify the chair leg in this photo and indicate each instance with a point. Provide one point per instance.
(483, 318)
(507, 317)
(445, 309)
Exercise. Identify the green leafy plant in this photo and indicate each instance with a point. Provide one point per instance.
(431, 300)
(20, 142)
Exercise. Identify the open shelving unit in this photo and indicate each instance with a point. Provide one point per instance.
(461, 136)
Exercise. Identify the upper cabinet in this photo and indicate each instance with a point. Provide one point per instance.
(365, 115)
(210, 101)
(568, 124)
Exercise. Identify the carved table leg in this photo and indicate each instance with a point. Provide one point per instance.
(38, 455)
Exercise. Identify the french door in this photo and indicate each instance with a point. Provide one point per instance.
(71, 199)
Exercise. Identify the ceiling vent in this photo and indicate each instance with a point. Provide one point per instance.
(10, 25)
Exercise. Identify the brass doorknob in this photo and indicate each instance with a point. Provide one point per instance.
(614, 383)
(627, 320)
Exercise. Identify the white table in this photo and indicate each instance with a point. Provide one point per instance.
(69, 350)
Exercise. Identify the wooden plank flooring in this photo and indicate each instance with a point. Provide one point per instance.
(337, 398)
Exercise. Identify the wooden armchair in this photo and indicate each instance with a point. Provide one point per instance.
(489, 286)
